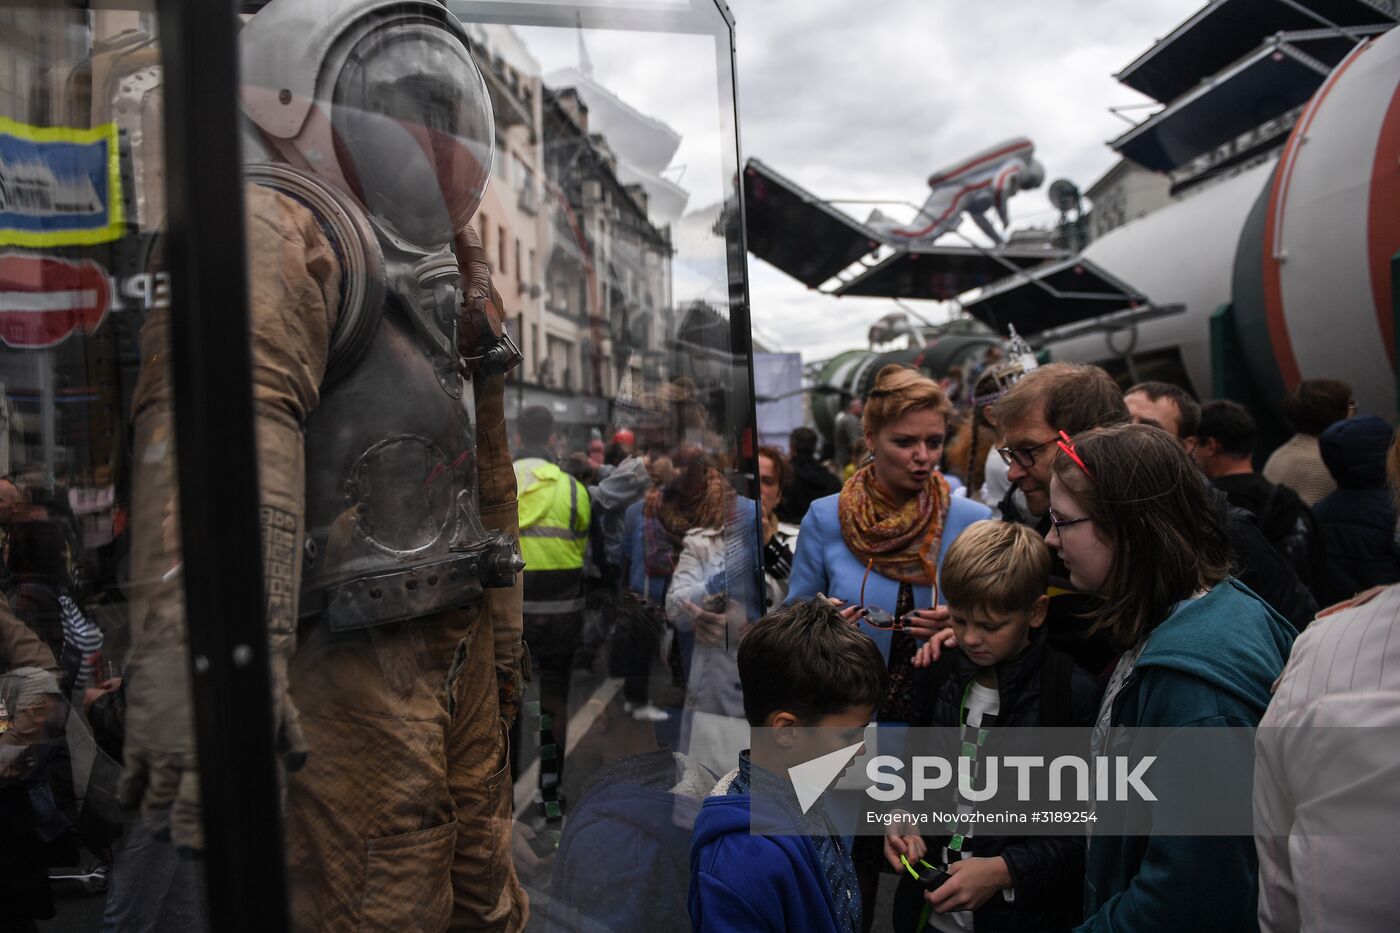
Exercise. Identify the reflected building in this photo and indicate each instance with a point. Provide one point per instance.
(577, 224)
(70, 311)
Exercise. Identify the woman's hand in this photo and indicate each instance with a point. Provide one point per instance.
(95, 692)
(931, 650)
(851, 614)
(710, 626)
(718, 629)
(971, 883)
(925, 623)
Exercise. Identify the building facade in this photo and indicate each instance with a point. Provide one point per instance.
(582, 257)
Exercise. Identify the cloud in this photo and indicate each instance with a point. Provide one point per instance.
(865, 101)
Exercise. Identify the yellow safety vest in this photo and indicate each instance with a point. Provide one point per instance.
(554, 516)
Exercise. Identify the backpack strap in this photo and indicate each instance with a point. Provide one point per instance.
(1056, 672)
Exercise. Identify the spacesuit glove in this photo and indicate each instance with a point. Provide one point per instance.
(483, 311)
(477, 291)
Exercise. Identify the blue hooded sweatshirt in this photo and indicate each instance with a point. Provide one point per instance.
(1211, 663)
(745, 882)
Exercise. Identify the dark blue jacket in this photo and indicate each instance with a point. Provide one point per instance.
(623, 861)
(1358, 519)
(1211, 663)
(745, 882)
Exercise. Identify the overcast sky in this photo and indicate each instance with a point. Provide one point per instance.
(865, 100)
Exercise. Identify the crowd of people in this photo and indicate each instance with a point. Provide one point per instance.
(1132, 570)
(1137, 577)
(58, 768)
(1049, 550)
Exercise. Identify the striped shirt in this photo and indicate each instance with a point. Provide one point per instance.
(81, 634)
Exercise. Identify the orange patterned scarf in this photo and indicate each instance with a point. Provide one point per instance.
(903, 542)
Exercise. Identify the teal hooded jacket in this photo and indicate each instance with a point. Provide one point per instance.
(1212, 663)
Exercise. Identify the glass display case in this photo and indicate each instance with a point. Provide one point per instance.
(380, 509)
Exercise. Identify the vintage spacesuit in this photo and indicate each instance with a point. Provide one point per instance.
(387, 494)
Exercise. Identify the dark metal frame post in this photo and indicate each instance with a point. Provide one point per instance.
(212, 375)
(743, 414)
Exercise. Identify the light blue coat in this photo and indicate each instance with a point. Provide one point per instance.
(823, 563)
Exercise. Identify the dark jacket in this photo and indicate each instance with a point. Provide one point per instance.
(1358, 520)
(810, 481)
(1047, 872)
(1261, 568)
(1284, 520)
(1211, 663)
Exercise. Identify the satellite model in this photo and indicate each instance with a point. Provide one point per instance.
(972, 186)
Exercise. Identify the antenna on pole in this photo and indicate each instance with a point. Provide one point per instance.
(1065, 195)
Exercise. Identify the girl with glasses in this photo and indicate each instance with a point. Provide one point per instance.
(1132, 520)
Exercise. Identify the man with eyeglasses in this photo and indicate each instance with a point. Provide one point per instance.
(1074, 398)
(1057, 397)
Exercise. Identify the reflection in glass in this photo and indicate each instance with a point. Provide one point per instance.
(91, 560)
(608, 227)
(608, 215)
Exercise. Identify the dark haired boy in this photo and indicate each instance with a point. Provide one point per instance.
(1002, 674)
(811, 682)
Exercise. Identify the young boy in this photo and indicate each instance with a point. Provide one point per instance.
(1002, 674)
(800, 666)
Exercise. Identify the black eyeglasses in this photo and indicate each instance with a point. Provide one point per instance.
(1024, 457)
(1062, 523)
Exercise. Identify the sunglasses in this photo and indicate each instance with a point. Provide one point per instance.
(878, 618)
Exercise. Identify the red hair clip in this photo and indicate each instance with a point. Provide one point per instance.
(1067, 446)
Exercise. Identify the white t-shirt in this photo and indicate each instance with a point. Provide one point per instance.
(996, 482)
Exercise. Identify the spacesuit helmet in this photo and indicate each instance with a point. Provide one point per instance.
(380, 97)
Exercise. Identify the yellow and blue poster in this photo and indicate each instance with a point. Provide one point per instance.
(59, 186)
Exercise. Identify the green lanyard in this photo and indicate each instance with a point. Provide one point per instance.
(969, 750)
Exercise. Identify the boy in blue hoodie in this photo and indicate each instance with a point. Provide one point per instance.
(801, 666)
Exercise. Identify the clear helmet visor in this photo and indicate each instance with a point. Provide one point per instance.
(414, 131)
